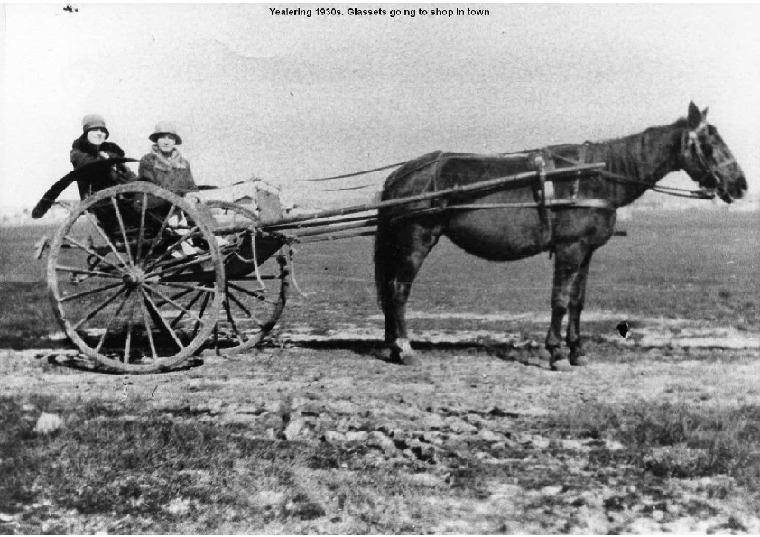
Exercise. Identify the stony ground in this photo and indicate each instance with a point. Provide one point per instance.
(469, 418)
(479, 438)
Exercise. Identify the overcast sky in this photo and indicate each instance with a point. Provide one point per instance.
(293, 97)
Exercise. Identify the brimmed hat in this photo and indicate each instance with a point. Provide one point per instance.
(165, 127)
(93, 121)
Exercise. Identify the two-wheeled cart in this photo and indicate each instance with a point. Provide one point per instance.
(142, 279)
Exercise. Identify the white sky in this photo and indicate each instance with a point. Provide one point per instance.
(291, 97)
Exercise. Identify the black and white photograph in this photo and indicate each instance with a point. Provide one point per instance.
(379, 268)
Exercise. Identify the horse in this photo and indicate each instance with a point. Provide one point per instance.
(519, 220)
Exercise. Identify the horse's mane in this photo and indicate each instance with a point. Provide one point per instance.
(627, 155)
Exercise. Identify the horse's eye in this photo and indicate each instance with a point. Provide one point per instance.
(712, 131)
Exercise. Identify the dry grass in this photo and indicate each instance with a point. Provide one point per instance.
(159, 474)
(675, 440)
(130, 471)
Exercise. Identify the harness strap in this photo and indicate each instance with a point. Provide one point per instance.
(544, 212)
(550, 204)
(670, 190)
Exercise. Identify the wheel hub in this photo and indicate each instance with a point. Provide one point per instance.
(134, 277)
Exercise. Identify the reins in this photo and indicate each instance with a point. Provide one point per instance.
(669, 190)
(354, 174)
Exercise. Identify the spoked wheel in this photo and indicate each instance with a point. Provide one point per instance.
(257, 277)
(136, 278)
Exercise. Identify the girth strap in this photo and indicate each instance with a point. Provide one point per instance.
(544, 212)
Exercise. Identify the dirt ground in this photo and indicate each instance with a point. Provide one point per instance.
(483, 436)
(465, 405)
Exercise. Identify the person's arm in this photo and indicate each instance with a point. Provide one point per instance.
(145, 171)
(80, 158)
(191, 182)
(124, 174)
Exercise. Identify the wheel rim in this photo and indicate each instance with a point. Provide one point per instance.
(256, 291)
(145, 306)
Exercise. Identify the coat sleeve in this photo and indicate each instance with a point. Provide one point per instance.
(145, 171)
(190, 181)
(80, 158)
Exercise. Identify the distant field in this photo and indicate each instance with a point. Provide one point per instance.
(695, 265)
(700, 265)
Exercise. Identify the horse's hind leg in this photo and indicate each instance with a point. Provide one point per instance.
(568, 263)
(575, 306)
(398, 260)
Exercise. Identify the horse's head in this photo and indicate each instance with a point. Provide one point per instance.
(706, 158)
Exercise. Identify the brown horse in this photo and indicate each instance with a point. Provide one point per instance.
(579, 219)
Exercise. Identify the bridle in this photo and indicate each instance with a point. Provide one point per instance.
(691, 149)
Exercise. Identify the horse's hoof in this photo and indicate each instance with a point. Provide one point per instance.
(409, 360)
(578, 360)
(402, 352)
(404, 357)
(560, 365)
(557, 361)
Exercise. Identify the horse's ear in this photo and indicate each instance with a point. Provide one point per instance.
(695, 116)
(704, 113)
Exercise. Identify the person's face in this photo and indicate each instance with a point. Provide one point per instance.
(96, 136)
(166, 143)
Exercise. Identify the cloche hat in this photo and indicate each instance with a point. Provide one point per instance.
(93, 121)
(164, 127)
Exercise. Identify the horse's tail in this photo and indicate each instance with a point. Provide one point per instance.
(383, 256)
(379, 260)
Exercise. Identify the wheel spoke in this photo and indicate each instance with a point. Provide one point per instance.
(176, 268)
(157, 312)
(175, 297)
(240, 305)
(157, 239)
(189, 305)
(187, 286)
(98, 308)
(146, 321)
(254, 294)
(193, 233)
(128, 339)
(90, 291)
(170, 301)
(102, 233)
(91, 252)
(123, 231)
(114, 315)
(206, 298)
(235, 330)
(64, 268)
(141, 228)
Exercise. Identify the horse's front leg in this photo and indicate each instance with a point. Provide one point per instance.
(575, 306)
(567, 264)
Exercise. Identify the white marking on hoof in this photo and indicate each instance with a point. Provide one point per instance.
(403, 352)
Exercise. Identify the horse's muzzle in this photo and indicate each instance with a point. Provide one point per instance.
(734, 190)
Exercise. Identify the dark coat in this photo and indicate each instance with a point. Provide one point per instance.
(83, 152)
(174, 176)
